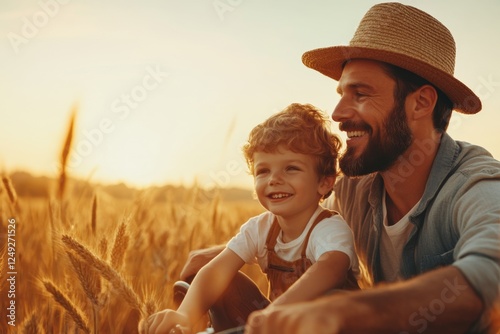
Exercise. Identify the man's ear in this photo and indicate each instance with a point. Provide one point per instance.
(326, 184)
(423, 101)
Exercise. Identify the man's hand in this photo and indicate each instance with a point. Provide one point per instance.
(197, 259)
(309, 317)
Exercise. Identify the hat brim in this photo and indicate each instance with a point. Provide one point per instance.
(329, 61)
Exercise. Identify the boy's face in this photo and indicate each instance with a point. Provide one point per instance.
(287, 183)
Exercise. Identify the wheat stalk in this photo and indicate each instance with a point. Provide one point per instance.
(66, 303)
(116, 280)
(93, 222)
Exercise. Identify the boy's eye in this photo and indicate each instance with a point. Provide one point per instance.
(261, 171)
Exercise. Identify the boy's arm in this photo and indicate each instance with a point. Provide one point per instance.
(329, 272)
(197, 259)
(209, 284)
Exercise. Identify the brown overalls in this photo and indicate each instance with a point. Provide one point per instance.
(281, 274)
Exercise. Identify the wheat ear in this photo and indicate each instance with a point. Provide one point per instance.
(120, 246)
(66, 303)
(65, 153)
(116, 280)
(89, 278)
(11, 192)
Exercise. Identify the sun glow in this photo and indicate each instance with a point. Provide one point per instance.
(168, 92)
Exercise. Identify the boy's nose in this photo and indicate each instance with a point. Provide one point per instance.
(275, 178)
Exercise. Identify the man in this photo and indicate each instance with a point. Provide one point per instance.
(424, 209)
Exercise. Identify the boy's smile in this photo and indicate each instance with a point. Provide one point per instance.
(287, 184)
(279, 196)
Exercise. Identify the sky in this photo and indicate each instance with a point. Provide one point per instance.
(167, 91)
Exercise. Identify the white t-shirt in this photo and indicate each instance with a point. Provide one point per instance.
(392, 242)
(331, 234)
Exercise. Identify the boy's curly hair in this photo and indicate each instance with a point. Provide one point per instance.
(301, 128)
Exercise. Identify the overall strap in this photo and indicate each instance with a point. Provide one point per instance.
(272, 235)
(275, 230)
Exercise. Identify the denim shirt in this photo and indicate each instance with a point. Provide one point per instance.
(456, 223)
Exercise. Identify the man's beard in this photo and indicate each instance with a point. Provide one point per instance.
(380, 153)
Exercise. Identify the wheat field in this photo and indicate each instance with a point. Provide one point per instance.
(79, 260)
(97, 264)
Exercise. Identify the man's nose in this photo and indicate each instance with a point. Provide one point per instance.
(342, 111)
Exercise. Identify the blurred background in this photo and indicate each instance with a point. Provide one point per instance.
(167, 91)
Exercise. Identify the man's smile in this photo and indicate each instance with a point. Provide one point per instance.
(353, 134)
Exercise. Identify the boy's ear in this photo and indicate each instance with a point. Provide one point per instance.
(326, 184)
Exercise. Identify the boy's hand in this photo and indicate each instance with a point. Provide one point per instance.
(167, 322)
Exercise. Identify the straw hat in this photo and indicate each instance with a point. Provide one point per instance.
(406, 37)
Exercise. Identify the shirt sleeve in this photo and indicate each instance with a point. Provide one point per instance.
(332, 234)
(248, 244)
(477, 253)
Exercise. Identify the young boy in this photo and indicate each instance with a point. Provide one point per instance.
(292, 157)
